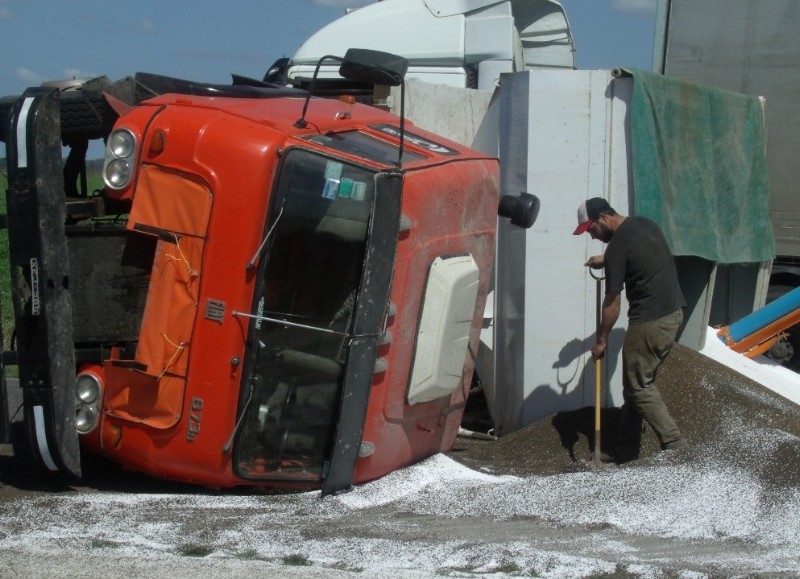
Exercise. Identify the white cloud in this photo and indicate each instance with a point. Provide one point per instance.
(639, 6)
(5, 13)
(146, 26)
(28, 76)
(342, 3)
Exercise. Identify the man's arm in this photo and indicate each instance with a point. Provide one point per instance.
(611, 306)
(596, 262)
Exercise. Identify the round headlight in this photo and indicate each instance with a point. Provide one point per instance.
(117, 174)
(87, 388)
(85, 418)
(121, 143)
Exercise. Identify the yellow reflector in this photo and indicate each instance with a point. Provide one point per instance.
(157, 142)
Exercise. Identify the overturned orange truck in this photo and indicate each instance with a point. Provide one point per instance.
(270, 289)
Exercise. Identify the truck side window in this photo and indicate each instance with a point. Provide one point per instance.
(309, 278)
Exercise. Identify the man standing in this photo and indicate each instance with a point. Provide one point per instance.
(638, 258)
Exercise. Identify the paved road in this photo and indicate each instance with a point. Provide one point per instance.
(727, 506)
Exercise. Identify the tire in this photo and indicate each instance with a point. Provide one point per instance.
(6, 103)
(84, 115)
(788, 353)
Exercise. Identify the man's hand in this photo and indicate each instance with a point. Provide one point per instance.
(595, 262)
(598, 350)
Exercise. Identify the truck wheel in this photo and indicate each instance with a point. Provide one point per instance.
(84, 115)
(5, 108)
(786, 351)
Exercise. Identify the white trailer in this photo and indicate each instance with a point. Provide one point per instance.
(562, 134)
(459, 43)
(567, 135)
(750, 47)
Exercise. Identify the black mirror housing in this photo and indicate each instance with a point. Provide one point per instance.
(373, 66)
(522, 209)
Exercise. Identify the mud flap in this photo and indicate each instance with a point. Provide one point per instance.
(370, 313)
(40, 280)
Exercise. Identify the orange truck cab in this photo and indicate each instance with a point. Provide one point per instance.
(270, 289)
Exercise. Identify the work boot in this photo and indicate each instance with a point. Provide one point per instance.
(626, 453)
(675, 444)
(606, 457)
(621, 454)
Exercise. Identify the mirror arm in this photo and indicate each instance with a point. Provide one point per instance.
(301, 122)
(402, 120)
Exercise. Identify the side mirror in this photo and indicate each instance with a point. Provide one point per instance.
(522, 209)
(370, 66)
(373, 67)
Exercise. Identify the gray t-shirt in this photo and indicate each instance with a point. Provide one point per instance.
(638, 258)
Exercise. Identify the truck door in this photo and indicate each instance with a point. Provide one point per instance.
(322, 292)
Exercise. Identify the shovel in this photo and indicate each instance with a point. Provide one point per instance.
(598, 383)
(597, 390)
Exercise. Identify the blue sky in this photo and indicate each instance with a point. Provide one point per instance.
(207, 41)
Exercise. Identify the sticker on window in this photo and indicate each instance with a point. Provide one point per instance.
(333, 176)
(359, 191)
(349, 189)
(346, 188)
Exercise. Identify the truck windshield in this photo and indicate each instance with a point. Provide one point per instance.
(364, 146)
(308, 281)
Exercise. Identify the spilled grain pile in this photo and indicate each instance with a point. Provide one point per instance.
(724, 415)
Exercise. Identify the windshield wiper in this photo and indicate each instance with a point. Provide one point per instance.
(226, 448)
(252, 263)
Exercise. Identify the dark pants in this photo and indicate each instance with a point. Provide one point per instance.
(645, 348)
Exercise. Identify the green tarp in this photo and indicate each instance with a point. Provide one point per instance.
(699, 168)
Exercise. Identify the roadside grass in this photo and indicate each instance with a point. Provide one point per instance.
(504, 569)
(194, 550)
(296, 559)
(104, 543)
(94, 182)
(249, 555)
(346, 567)
(620, 572)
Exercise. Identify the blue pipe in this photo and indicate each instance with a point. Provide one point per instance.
(761, 318)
